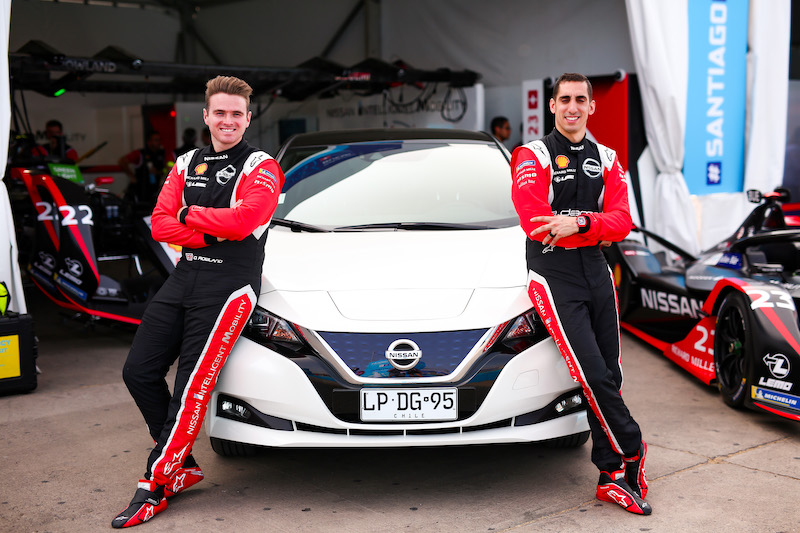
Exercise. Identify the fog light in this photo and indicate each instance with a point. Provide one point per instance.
(569, 403)
(235, 410)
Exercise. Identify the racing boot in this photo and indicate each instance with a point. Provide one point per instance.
(612, 488)
(634, 472)
(147, 502)
(184, 477)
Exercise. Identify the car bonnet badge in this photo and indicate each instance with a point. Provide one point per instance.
(403, 354)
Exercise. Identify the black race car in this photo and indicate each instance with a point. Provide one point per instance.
(729, 316)
(87, 253)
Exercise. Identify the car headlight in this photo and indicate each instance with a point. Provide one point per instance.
(525, 331)
(271, 330)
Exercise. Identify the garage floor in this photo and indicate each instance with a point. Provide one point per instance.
(71, 452)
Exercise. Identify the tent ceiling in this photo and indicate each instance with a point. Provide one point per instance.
(39, 67)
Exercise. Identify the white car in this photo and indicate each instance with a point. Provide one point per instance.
(394, 307)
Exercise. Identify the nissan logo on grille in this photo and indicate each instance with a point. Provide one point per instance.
(403, 354)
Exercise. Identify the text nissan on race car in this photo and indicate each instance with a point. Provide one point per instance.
(729, 317)
(394, 308)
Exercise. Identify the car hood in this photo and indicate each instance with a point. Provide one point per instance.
(374, 280)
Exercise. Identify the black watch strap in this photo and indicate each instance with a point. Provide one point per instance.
(584, 223)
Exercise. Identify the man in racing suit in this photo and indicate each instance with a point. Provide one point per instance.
(571, 197)
(216, 203)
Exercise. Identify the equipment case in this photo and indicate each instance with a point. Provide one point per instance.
(17, 354)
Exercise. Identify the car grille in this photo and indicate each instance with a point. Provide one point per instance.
(364, 353)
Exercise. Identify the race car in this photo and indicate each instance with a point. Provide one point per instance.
(729, 316)
(88, 254)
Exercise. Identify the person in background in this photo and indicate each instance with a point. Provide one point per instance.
(189, 142)
(572, 198)
(216, 203)
(501, 128)
(145, 168)
(56, 147)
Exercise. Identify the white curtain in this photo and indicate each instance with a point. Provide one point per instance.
(769, 35)
(659, 39)
(9, 267)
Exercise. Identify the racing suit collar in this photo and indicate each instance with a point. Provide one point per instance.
(574, 147)
(230, 152)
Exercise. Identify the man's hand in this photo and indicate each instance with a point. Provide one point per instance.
(556, 226)
(185, 207)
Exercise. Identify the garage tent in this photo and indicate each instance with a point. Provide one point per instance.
(659, 41)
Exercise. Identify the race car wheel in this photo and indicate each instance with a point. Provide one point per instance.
(229, 448)
(732, 348)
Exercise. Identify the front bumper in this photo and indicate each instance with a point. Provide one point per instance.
(519, 406)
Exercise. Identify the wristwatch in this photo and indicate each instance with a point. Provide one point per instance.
(584, 223)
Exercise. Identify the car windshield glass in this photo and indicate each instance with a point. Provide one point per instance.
(397, 184)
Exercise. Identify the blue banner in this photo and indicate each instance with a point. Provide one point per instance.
(716, 96)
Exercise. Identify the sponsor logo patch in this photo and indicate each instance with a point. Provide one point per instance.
(777, 398)
(562, 161)
(200, 169)
(775, 383)
(778, 365)
(670, 303)
(591, 167)
(225, 175)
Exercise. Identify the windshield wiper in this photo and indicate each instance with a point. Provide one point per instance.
(298, 226)
(419, 226)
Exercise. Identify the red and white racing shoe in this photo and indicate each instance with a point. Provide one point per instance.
(613, 488)
(147, 502)
(634, 472)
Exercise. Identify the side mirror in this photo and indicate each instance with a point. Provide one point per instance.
(754, 196)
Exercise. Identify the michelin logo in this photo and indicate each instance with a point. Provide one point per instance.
(777, 398)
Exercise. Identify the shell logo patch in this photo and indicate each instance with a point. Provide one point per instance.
(562, 161)
(200, 169)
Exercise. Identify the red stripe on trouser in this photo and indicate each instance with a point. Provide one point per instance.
(226, 331)
(540, 296)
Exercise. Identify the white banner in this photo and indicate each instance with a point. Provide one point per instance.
(456, 108)
(533, 105)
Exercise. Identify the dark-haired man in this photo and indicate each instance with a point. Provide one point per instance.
(56, 147)
(572, 197)
(145, 168)
(216, 203)
(501, 128)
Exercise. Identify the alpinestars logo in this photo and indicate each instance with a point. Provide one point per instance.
(225, 175)
(178, 482)
(619, 497)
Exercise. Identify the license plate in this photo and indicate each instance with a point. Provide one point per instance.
(408, 405)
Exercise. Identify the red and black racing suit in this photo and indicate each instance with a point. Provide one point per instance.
(198, 314)
(571, 285)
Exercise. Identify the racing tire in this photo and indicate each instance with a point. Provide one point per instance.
(229, 448)
(568, 441)
(733, 347)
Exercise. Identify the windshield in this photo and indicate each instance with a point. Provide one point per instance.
(397, 182)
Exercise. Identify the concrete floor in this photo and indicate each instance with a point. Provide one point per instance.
(71, 452)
